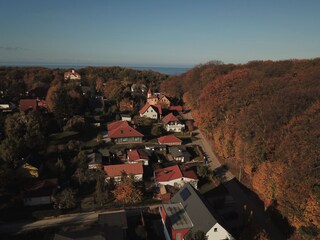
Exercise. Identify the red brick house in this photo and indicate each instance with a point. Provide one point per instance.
(122, 133)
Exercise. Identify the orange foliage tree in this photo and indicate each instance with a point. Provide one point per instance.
(126, 192)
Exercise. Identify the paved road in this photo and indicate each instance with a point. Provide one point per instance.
(70, 219)
(243, 198)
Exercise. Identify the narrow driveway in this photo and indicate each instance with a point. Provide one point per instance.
(245, 199)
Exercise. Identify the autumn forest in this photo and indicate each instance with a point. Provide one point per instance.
(263, 119)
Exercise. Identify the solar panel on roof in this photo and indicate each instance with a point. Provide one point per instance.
(185, 193)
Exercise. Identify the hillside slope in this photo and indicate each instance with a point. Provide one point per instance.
(263, 117)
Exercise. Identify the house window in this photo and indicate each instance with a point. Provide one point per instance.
(124, 139)
(215, 229)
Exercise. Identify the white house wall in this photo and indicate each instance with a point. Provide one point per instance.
(180, 182)
(174, 127)
(220, 233)
(150, 113)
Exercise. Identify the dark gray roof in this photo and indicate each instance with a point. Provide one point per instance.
(94, 158)
(177, 215)
(180, 152)
(197, 210)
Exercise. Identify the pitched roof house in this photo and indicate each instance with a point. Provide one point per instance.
(151, 111)
(174, 176)
(179, 154)
(72, 75)
(169, 140)
(138, 155)
(188, 213)
(40, 192)
(157, 98)
(172, 123)
(121, 133)
(118, 171)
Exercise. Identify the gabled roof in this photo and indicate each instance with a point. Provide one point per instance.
(170, 118)
(157, 108)
(137, 154)
(172, 173)
(27, 104)
(195, 207)
(122, 129)
(119, 169)
(169, 139)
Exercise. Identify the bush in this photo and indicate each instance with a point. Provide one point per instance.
(76, 123)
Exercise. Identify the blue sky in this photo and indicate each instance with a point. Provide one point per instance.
(157, 33)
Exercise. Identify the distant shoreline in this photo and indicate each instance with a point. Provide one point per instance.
(163, 70)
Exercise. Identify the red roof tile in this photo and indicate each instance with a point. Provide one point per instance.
(169, 139)
(144, 108)
(122, 129)
(137, 154)
(167, 174)
(119, 169)
(172, 173)
(190, 174)
(170, 118)
(26, 104)
(156, 108)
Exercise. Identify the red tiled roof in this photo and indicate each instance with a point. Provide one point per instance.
(122, 129)
(119, 169)
(175, 108)
(156, 108)
(26, 104)
(117, 124)
(167, 174)
(169, 139)
(172, 173)
(190, 174)
(170, 118)
(144, 108)
(137, 154)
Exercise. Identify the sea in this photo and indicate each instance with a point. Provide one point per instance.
(163, 70)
